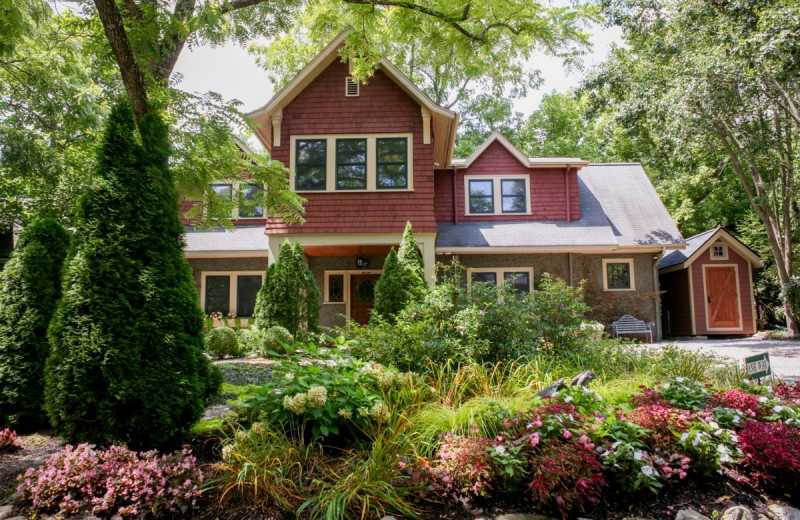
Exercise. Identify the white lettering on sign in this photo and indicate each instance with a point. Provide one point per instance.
(757, 366)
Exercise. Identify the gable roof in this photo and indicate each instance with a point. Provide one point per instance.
(620, 209)
(529, 162)
(443, 121)
(697, 245)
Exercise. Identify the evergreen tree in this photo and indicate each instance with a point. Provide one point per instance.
(289, 297)
(409, 255)
(391, 294)
(126, 360)
(30, 287)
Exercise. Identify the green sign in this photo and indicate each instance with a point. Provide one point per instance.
(757, 366)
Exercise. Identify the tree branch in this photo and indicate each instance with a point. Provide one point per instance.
(132, 76)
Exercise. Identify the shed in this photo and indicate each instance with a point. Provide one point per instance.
(708, 287)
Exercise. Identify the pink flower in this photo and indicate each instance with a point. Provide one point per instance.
(566, 433)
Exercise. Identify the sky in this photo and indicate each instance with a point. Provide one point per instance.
(230, 71)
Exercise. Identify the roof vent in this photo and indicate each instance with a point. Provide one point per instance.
(350, 87)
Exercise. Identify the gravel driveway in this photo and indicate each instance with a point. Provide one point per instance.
(784, 355)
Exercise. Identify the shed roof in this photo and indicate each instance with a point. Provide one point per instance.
(696, 245)
(619, 209)
(249, 240)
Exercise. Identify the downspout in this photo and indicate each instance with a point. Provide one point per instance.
(658, 292)
(566, 187)
(455, 206)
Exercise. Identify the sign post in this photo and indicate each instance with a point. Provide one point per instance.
(757, 366)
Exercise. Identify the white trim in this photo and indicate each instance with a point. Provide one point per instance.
(497, 193)
(499, 272)
(724, 255)
(232, 289)
(691, 302)
(738, 298)
(528, 162)
(372, 158)
(752, 297)
(347, 274)
(352, 88)
(631, 273)
(721, 235)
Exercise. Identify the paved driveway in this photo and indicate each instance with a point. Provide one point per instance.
(784, 355)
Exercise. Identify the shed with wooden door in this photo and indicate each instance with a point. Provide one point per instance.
(708, 287)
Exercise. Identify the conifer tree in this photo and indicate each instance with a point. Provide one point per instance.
(391, 294)
(289, 297)
(409, 255)
(126, 360)
(30, 287)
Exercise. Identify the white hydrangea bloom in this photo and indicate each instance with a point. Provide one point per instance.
(649, 471)
(317, 396)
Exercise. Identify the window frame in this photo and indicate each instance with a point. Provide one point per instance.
(325, 163)
(490, 197)
(372, 158)
(238, 210)
(389, 163)
(235, 190)
(724, 255)
(499, 273)
(497, 194)
(365, 163)
(232, 288)
(631, 273)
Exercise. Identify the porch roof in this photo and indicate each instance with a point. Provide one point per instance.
(244, 239)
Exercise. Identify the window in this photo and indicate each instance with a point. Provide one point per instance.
(219, 204)
(719, 252)
(230, 293)
(392, 162)
(334, 288)
(355, 162)
(310, 164)
(351, 164)
(250, 192)
(481, 196)
(519, 278)
(507, 195)
(618, 275)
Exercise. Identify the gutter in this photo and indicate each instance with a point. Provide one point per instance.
(657, 296)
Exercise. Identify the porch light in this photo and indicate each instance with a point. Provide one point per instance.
(361, 262)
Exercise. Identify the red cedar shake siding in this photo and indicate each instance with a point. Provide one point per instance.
(745, 295)
(381, 107)
(676, 312)
(548, 188)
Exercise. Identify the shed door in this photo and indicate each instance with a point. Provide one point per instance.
(722, 298)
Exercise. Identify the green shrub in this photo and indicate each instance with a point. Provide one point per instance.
(289, 296)
(275, 340)
(249, 340)
(402, 281)
(222, 342)
(30, 286)
(126, 360)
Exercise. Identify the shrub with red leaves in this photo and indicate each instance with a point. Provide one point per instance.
(647, 397)
(787, 392)
(771, 453)
(464, 464)
(8, 440)
(565, 476)
(738, 400)
(661, 420)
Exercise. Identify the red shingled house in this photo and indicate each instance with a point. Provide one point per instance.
(370, 157)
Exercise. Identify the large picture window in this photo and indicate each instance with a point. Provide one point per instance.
(356, 162)
(496, 195)
(519, 278)
(230, 292)
(310, 164)
(618, 275)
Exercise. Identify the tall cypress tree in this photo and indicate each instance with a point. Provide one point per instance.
(126, 359)
(409, 256)
(391, 294)
(30, 287)
(289, 296)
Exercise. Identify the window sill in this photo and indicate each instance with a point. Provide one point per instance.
(403, 190)
(498, 214)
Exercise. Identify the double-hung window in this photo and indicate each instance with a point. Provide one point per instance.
(231, 293)
(352, 162)
(496, 195)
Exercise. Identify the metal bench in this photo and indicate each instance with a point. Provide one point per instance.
(630, 325)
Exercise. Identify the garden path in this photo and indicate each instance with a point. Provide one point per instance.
(784, 355)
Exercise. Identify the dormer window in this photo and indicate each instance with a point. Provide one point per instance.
(719, 252)
(350, 87)
(495, 195)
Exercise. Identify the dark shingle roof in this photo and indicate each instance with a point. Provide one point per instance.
(619, 208)
(692, 245)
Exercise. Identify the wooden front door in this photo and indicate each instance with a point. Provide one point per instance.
(362, 296)
(722, 298)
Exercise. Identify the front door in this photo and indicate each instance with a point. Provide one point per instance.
(722, 298)
(362, 296)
